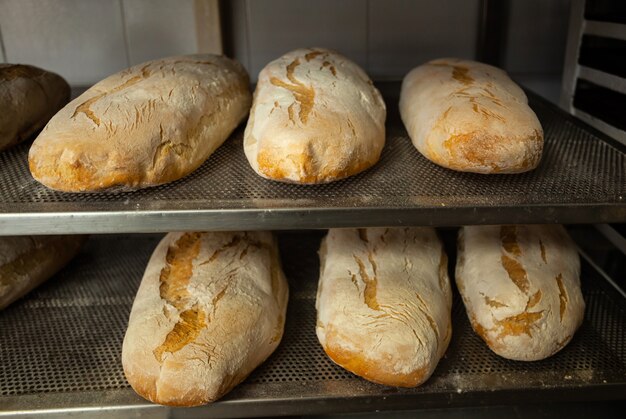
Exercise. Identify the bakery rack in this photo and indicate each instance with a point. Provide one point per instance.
(61, 346)
(581, 179)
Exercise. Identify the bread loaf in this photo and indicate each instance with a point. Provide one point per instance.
(316, 117)
(383, 303)
(210, 309)
(521, 288)
(29, 96)
(471, 117)
(151, 124)
(27, 261)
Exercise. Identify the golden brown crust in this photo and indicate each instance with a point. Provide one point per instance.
(210, 309)
(174, 280)
(562, 296)
(304, 95)
(383, 303)
(470, 117)
(271, 166)
(478, 149)
(371, 370)
(112, 138)
(520, 286)
(142, 384)
(494, 344)
(316, 118)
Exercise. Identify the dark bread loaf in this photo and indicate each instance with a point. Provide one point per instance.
(29, 97)
(27, 261)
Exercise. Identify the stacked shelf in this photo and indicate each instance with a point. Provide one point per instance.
(60, 346)
(581, 179)
(61, 349)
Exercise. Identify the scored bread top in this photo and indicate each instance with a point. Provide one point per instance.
(210, 308)
(148, 125)
(383, 302)
(316, 117)
(521, 287)
(470, 116)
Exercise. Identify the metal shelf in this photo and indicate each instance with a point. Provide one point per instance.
(605, 29)
(601, 78)
(60, 350)
(581, 179)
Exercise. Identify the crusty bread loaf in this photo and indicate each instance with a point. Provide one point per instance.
(29, 96)
(470, 117)
(27, 261)
(210, 309)
(521, 288)
(316, 117)
(383, 303)
(151, 124)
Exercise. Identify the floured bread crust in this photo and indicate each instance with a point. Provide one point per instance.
(29, 97)
(316, 117)
(28, 261)
(148, 125)
(383, 303)
(470, 117)
(209, 310)
(521, 288)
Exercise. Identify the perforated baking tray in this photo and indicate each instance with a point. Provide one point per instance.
(60, 349)
(581, 179)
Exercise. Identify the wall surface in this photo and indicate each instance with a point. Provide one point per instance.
(86, 40)
(386, 37)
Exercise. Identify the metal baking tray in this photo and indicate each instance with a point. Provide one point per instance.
(60, 350)
(581, 179)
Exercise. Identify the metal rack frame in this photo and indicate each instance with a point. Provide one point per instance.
(581, 179)
(573, 71)
(61, 354)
